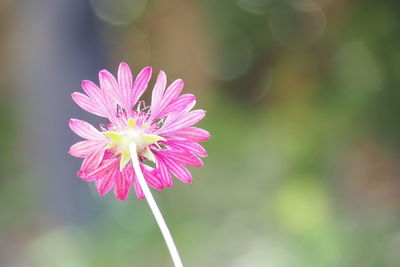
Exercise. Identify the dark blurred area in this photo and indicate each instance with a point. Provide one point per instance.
(303, 101)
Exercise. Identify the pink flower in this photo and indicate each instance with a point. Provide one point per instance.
(162, 132)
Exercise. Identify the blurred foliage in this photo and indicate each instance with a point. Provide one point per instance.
(303, 100)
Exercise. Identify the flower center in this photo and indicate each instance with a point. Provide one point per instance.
(121, 139)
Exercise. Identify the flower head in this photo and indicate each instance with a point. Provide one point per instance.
(162, 132)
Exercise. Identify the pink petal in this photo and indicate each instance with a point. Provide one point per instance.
(182, 121)
(123, 183)
(83, 149)
(140, 85)
(125, 84)
(85, 103)
(188, 146)
(158, 91)
(183, 102)
(189, 134)
(110, 87)
(150, 175)
(99, 172)
(182, 157)
(105, 183)
(178, 170)
(138, 189)
(172, 92)
(164, 173)
(95, 94)
(129, 173)
(85, 130)
(93, 160)
(151, 178)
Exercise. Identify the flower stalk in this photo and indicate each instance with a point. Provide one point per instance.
(154, 208)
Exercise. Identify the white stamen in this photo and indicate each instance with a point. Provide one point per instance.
(154, 208)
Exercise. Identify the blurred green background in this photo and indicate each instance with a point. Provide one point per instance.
(303, 101)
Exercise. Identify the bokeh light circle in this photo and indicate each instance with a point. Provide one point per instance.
(255, 7)
(308, 5)
(118, 11)
(233, 57)
(296, 29)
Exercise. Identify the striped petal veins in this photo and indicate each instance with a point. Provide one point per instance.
(163, 133)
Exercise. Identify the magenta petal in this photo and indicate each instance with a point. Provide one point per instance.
(106, 182)
(93, 160)
(99, 172)
(125, 84)
(196, 148)
(164, 173)
(123, 183)
(183, 157)
(182, 121)
(189, 134)
(140, 85)
(138, 189)
(158, 92)
(188, 146)
(91, 89)
(179, 171)
(151, 178)
(150, 175)
(85, 130)
(83, 149)
(95, 94)
(183, 102)
(172, 92)
(109, 86)
(85, 103)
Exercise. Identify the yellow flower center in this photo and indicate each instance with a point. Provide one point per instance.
(121, 139)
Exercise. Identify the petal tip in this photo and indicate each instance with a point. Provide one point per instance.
(180, 82)
(121, 198)
(104, 73)
(81, 174)
(72, 121)
(147, 70)
(161, 187)
(85, 82)
(123, 64)
(102, 191)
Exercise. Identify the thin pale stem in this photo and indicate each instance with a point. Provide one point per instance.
(154, 208)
